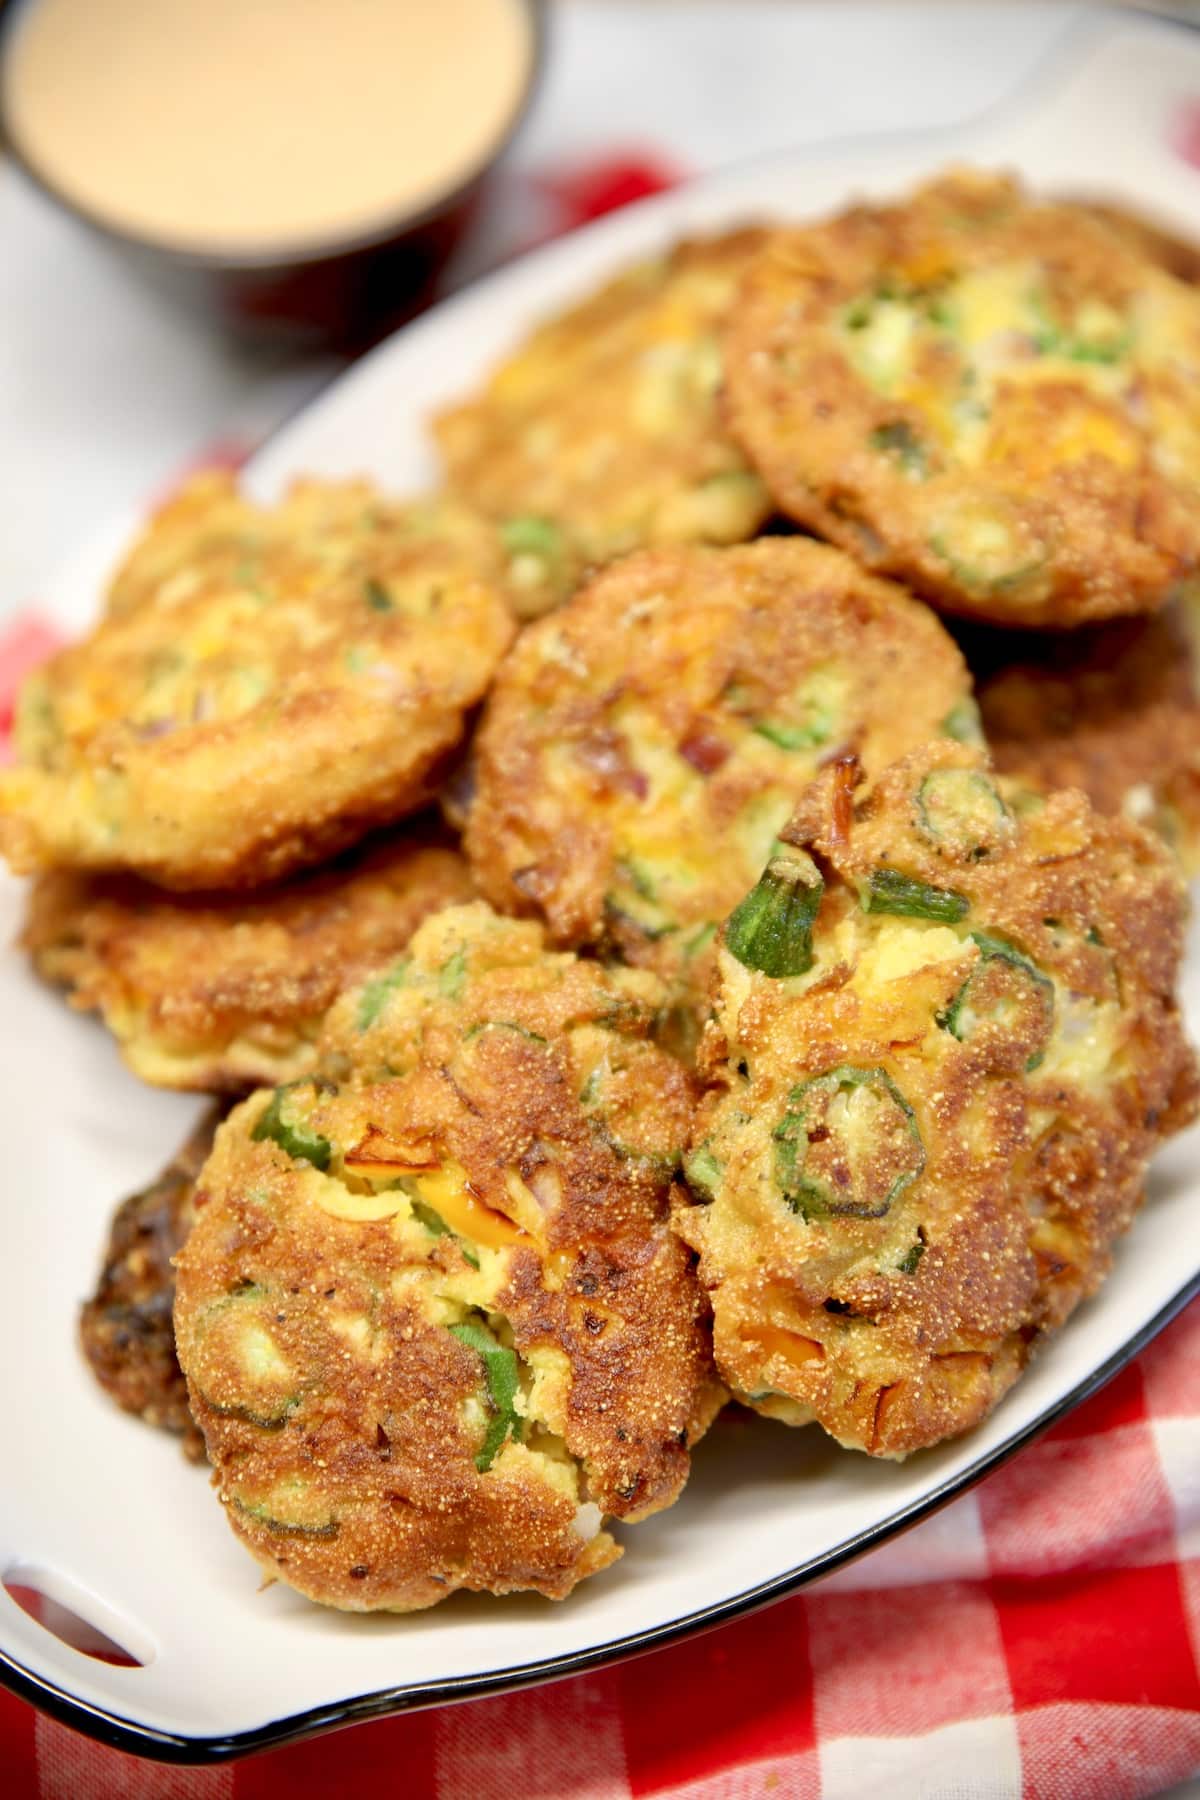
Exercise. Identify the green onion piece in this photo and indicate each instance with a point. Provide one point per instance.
(431, 1220)
(296, 1140)
(890, 891)
(437, 1227)
(897, 438)
(378, 598)
(500, 1370)
(589, 1093)
(284, 1527)
(453, 975)
(771, 930)
(796, 737)
(700, 940)
(533, 1037)
(847, 1146)
(376, 994)
(703, 1170)
(529, 535)
(908, 1262)
(963, 723)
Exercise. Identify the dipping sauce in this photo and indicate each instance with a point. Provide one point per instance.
(261, 125)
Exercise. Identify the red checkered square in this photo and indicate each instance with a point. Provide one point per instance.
(1121, 1401)
(16, 1746)
(902, 1661)
(539, 1744)
(1060, 1506)
(742, 1695)
(1171, 1368)
(1119, 1637)
(361, 1761)
(1189, 1581)
(1082, 1752)
(69, 1767)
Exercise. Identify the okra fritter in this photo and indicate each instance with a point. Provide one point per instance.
(226, 993)
(989, 397)
(126, 1327)
(1112, 709)
(1175, 254)
(602, 433)
(244, 719)
(946, 1046)
(642, 747)
(434, 1321)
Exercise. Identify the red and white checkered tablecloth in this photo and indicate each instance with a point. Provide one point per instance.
(1038, 1640)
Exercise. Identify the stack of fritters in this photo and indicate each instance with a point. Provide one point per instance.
(797, 1004)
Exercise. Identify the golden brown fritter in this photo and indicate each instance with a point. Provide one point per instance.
(434, 1321)
(986, 396)
(1175, 254)
(642, 747)
(1112, 709)
(207, 523)
(125, 1328)
(243, 719)
(602, 433)
(947, 1044)
(225, 993)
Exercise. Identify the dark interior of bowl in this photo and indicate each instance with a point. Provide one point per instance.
(344, 295)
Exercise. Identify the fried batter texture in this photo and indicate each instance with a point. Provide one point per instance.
(602, 433)
(989, 397)
(126, 1327)
(225, 993)
(1113, 709)
(239, 719)
(933, 1117)
(642, 747)
(434, 1321)
(1177, 255)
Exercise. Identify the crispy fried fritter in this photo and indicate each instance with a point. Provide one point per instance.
(642, 747)
(991, 398)
(243, 719)
(126, 1329)
(433, 1318)
(602, 434)
(1112, 709)
(225, 993)
(934, 1111)
(1175, 254)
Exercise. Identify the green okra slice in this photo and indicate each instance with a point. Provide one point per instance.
(291, 1135)
(771, 930)
(847, 1146)
(891, 891)
(962, 812)
(1003, 988)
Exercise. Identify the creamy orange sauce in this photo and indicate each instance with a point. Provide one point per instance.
(257, 124)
